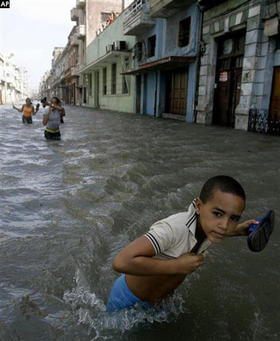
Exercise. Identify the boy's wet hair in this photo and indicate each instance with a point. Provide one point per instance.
(225, 184)
(44, 100)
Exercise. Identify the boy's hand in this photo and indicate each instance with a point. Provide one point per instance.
(189, 262)
(241, 229)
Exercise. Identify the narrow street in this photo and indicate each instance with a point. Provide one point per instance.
(67, 207)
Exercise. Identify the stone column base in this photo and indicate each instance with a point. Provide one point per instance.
(241, 118)
(201, 117)
(204, 117)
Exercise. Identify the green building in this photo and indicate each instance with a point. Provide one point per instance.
(107, 57)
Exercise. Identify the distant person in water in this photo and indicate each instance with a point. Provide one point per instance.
(45, 106)
(28, 111)
(37, 108)
(155, 264)
(52, 119)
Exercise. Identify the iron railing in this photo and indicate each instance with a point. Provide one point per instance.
(260, 122)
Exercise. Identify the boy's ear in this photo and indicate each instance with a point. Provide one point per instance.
(198, 204)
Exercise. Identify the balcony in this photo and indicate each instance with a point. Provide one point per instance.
(81, 31)
(80, 3)
(207, 4)
(75, 70)
(72, 71)
(166, 8)
(74, 14)
(74, 40)
(137, 18)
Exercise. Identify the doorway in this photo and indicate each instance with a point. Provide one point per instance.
(138, 94)
(96, 89)
(176, 92)
(274, 110)
(228, 79)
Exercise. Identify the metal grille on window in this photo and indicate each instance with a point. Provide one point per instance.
(260, 122)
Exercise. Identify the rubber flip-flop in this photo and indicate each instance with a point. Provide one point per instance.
(258, 234)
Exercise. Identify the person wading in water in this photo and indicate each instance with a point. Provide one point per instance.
(28, 111)
(52, 120)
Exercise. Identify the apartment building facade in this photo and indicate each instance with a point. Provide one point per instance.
(109, 56)
(165, 56)
(13, 80)
(240, 65)
(65, 78)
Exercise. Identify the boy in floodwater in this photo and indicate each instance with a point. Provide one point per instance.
(158, 262)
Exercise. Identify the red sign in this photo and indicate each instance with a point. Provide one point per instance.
(223, 76)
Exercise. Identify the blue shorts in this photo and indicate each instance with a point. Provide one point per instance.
(121, 296)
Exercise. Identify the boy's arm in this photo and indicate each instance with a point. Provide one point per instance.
(242, 229)
(137, 259)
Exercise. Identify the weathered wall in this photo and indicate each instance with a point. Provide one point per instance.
(259, 58)
(93, 18)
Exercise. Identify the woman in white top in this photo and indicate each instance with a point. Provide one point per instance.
(52, 119)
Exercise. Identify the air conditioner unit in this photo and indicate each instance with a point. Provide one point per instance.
(109, 48)
(120, 45)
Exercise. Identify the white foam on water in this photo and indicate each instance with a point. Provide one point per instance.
(90, 311)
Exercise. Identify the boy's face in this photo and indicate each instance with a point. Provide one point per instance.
(220, 215)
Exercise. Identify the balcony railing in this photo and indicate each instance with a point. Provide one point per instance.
(81, 31)
(166, 8)
(137, 17)
(74, 14)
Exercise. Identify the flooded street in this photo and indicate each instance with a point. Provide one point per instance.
(67, 207)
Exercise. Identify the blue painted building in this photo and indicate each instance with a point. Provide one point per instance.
(165, 56)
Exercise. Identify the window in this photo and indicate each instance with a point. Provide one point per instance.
(138, 51)
(152, 46)
(105, 16)
(105, 81)
(184, 32)
(114, 79)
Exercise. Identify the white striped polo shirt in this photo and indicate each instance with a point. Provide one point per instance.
(175, 235)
